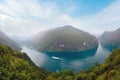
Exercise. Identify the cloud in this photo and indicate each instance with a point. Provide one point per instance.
(107, 19)
(35, 8)
(28, 9)
(28, 17)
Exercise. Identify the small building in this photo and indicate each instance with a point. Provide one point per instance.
(60, 44)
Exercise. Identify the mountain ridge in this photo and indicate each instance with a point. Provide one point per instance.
(4, 39)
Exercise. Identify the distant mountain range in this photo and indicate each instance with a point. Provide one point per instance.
(111, 38)
(4, 39)
(66, 38)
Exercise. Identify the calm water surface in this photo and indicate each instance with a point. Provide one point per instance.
(54, 63)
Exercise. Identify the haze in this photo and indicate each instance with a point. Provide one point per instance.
(28, 17)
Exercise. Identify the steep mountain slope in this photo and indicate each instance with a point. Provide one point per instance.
(16, 65)
(4, 39)
(66, 38)
(111, 38)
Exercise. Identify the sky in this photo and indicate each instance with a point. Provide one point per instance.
(29, 17)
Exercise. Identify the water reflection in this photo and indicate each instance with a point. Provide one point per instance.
(37, 57)
(73, 55)
(76, 63)
(108, 46)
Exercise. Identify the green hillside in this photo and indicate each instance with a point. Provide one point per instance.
(66, 38)
(109, 70)
(15, 65)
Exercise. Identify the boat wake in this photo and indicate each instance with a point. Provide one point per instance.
(56, 57)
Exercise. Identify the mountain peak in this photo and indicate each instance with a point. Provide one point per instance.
(69, 26)
(118, 29)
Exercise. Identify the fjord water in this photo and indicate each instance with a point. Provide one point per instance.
(53, 63)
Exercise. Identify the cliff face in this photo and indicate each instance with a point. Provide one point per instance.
(4, 39)
(66, 38)
(111, 38)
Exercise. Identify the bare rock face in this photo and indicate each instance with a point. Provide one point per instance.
(66, 38)
(111, 38)
(4, 39)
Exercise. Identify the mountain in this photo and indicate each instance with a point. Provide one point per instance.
(66, 38)
(4, 39)
(111, 38)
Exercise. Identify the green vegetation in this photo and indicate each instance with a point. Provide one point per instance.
(110, 70)
(15, 65)
(66, 38)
